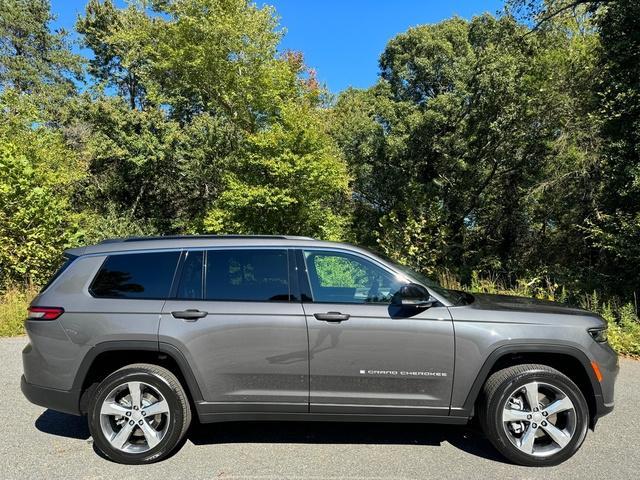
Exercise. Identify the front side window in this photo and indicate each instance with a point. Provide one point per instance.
(136, 275)
(337, 277)
(247, 275)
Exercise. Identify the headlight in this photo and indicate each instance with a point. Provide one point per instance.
(598, 334)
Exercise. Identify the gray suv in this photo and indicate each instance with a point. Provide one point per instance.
(141, 334)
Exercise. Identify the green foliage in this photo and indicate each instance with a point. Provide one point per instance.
(150, 167)
(33, 58)
(217, 108)
(117, 58)
(418, 240)
(94, 227)
(218, 56)
(340, 272)
(36, 169)
(13, 309)
(291, 179)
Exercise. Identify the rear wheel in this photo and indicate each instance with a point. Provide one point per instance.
(534, 415)
(139, 414)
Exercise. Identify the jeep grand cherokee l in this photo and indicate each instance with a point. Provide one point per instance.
(141, 334)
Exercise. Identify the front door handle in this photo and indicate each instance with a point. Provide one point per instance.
(332, 316)
(191, 314)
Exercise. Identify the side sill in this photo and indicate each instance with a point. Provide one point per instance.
(327, 417)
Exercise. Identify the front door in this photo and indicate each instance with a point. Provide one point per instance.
(241, 329)
(364, 356)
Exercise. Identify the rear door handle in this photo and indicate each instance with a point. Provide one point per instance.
(332, 316)
(191, 314)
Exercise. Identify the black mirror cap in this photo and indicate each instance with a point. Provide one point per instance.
(413, 295)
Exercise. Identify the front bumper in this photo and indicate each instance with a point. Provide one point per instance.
(67, 401)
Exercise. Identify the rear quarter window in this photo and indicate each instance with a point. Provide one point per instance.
(136, 275)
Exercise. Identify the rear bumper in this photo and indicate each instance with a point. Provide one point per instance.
(59, 400)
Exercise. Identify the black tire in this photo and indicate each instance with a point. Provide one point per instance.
(179, 418)
(496, 392)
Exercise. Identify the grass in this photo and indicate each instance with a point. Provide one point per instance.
(624, 325)
(13, 309)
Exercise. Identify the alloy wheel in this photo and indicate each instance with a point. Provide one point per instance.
(134, 417)
(539, 419)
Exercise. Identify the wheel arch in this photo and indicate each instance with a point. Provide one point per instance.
(105, 358)
(567, 359)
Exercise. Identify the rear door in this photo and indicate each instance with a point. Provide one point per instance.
(366, 357)
(236, 319)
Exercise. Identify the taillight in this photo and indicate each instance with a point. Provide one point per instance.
(44, 313)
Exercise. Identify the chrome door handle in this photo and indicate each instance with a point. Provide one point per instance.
(191, 314)
(332, 316)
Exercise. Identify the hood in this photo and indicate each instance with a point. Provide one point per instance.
(513, 303)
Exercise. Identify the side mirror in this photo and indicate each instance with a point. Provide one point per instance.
(413, 295)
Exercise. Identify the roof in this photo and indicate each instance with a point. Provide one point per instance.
(197, 241)
(189, 237)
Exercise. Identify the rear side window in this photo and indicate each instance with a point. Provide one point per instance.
(248, 275)
(136, 275)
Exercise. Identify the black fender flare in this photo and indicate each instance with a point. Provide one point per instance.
(498, 353)
(137, 345)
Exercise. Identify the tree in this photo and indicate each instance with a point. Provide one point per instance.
(147, 166)
(611, 230)
(615, 225)
(36, 173)
(476, 149)
(32, 57)
(118, 60)
(224, 132)
(290, 178)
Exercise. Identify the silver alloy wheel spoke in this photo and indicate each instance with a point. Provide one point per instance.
(527, 440)
(151, 435)
(511, 415)
(155, 408)
(114, 408)
(135, 390)
(557, 435)
(559, 406)
(531, 390)
(121, 438)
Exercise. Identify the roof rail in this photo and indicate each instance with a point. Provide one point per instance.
(195, 237)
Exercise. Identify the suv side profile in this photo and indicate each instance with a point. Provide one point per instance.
(141, 334)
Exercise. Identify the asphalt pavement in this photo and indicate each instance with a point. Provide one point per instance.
(40, 443)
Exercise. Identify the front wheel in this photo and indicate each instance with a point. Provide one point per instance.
(139, 414)
(534, 415)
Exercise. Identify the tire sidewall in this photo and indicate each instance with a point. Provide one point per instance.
(497, 431)
(176, 419)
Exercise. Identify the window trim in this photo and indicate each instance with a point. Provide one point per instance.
(302, 251)
(178, 276)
